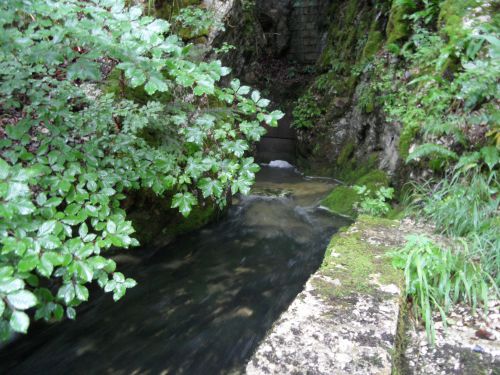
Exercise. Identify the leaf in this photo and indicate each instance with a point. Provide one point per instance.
(235, 84)
(119, 292)
(66, 293)
(71, 313)
(243, 90)
(85, 70)
(22, 299)
(84, 271)
(428, 149)
(17, 189)
(136, 76)
(490, 156)
(82, 293)
(10, 285)
(28, 263)
(255, 96)
(263, 103)
(204, 85)
(156, 83)
(111, 226)
(118, 277)
(83, 230)
(19, 322)
(46, 228)
(2, 307)
(184, 201)
(4, 169)
(25, 207)
(128, 283)
(110, 286)
(159, 26)
(210, 187)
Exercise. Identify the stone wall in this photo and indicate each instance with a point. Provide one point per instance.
(306, 30)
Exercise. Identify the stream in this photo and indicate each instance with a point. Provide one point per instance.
(203, 303)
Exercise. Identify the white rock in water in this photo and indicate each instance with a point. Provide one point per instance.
(280, 164)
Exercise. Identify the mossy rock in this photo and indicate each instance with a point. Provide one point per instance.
(341, 201)
(346, 153)
(342, 198)
(167, 9)
(397, 26)
(406, 139)
(359, 258)
(373, 44)
(373, 179)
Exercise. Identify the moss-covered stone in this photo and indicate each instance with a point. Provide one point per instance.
(406, 139)
(373, 44)
(373, 179)
(345, 153)
(167, 9)
(342, 198)
(397, 26)
(351, 258)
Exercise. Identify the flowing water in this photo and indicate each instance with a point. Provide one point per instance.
(203, 303)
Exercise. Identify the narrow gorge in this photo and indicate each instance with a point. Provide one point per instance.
(250, 187)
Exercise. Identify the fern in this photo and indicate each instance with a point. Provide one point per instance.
(428, 149)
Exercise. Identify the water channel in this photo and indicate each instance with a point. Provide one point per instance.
(203, 303)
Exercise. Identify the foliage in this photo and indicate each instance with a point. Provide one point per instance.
(465, 206)
(198, 21)
(374, 204)
(225, 48)
(69, 153)
(306, 112)
(437, 277)
(431, 149)
(441, 85)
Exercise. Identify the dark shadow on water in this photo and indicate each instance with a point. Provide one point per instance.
(202, 304)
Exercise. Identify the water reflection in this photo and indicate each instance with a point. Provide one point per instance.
(204, 302)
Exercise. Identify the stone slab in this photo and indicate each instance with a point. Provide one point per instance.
(338, 325)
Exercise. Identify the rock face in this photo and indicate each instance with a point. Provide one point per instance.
(345, 320)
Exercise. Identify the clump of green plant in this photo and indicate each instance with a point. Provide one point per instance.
(69, 153)
(465, 206)
(306, 112)
(374, 204)
(194, 21)
(225, 48)
(437, 277)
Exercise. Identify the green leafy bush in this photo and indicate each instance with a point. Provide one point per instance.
(306, 112)
(374, 203)
(194, 21)
(70, 153)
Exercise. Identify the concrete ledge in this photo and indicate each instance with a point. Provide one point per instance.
(345, 320)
